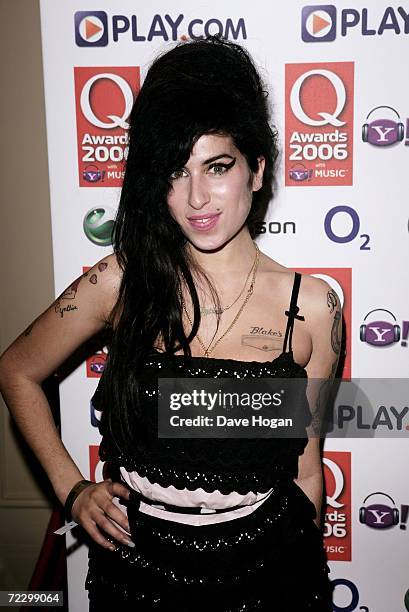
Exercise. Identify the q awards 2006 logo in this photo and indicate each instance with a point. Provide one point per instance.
(104, 99)
(319, 123)
(337, 533)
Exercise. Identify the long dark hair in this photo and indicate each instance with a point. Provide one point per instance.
(198, 87)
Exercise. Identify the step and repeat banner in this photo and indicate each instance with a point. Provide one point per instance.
(340, 102)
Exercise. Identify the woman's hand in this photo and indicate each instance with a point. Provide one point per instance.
(94, 510)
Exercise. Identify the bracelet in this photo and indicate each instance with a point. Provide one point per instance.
(72, 496)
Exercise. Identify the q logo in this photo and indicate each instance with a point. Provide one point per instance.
(338, 476)
(126, 93)
(327, 118)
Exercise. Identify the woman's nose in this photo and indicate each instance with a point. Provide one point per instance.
(198, 193)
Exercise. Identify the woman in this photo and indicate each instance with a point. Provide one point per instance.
(190, 524)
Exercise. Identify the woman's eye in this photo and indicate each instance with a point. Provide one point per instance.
(176, 175)
(218, 169)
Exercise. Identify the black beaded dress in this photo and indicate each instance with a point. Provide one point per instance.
(269, 559)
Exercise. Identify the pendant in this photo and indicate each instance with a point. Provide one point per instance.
(207, 311)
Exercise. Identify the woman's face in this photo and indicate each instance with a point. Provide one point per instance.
(211, 195)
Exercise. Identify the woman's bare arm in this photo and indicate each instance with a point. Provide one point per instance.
(79, 313)
(323, 316)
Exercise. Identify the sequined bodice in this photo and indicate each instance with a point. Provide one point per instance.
(224, 464)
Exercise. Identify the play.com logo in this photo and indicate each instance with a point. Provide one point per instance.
(91, 28)
(318, 23)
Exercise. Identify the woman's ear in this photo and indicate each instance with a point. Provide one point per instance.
(258, 175)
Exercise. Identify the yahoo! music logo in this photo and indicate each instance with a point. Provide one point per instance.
(383, 515)
(380, 332)
(383, 131)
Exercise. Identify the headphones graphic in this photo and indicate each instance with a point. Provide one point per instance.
(364, 511)
(299, 172)
(400, 132)
(92, 174)
(396, 328)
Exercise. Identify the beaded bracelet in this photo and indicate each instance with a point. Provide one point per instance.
(72, 496)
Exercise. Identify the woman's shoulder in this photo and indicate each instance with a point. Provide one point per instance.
(106, 275)
(314, 295)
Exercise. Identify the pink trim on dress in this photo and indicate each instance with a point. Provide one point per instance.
(197, 498)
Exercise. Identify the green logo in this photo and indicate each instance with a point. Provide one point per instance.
(99, 224)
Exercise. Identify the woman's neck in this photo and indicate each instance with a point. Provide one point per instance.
(236, 256)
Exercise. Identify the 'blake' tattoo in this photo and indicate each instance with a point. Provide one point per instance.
(264, 332)
(261, 338)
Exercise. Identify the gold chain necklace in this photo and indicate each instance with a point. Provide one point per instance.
(209, 350)
(206, 311)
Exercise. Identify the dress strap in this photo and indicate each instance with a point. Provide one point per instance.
(292, 313)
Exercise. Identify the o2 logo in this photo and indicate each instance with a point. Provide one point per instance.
(345, 213)
(346, 595)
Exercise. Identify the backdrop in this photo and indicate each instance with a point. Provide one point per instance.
(340, 102)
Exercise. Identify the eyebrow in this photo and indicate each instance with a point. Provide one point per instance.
(212, 159)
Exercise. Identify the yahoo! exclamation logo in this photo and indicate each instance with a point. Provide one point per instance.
(405, 333)
(404, 513)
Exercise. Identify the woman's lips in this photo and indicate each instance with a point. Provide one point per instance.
(204, 223)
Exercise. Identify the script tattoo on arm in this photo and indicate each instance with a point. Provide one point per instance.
(68, 295)
(61, 306)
